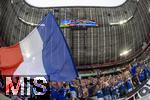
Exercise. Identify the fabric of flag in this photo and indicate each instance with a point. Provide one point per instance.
(43, 52)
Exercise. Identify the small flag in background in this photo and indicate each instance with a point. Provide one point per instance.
(43, 52)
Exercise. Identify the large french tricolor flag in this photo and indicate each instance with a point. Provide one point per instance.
(43, 52)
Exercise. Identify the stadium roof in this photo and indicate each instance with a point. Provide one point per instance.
(122, 28)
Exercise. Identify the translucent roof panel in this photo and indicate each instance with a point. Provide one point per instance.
(75, 3)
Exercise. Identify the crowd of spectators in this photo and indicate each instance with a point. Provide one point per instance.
(101, 87)
(111, 87)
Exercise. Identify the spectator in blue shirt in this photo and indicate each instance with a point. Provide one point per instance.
(107, 93)
(115, 91)
(147, 71)
(61, 94)
(99, 93)
(122, 88)
(142, 75)
(54, 93)
(133, 70)
(73, 91)
(129, 84)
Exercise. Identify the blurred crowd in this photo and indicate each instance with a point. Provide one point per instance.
(110, 87)
(101, 87)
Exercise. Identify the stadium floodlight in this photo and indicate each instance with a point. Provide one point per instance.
(124, 53)
(121, 22)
